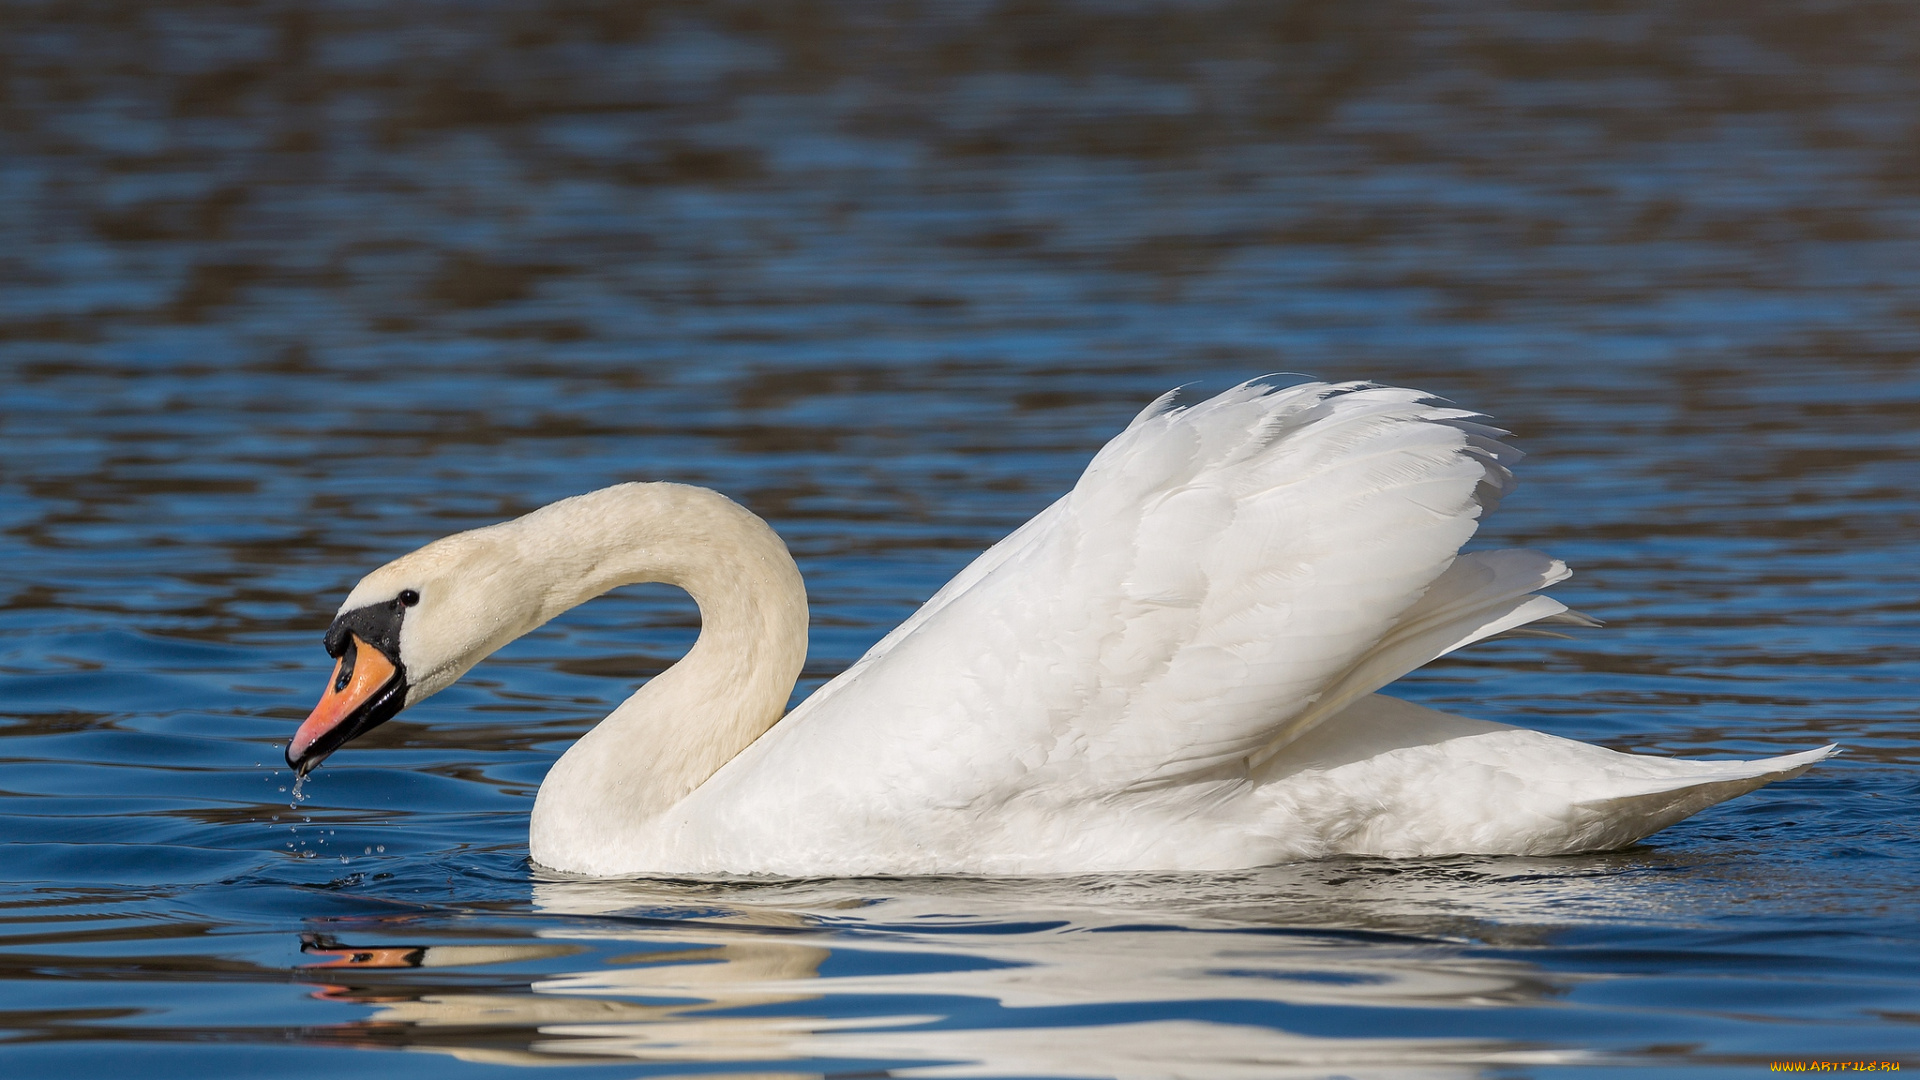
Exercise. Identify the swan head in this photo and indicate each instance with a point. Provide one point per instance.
(414, 626)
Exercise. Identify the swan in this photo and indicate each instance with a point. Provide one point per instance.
(1173, 667)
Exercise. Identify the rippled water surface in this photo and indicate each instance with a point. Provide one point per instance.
(287, 289)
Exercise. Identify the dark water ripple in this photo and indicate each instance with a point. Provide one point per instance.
(286, 289)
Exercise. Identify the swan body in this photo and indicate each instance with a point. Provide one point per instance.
(1173, 667)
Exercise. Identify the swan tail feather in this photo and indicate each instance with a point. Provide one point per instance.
(1647, 806)
(1435, 784)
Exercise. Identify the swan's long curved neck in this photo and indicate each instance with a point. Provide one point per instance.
(688, 721)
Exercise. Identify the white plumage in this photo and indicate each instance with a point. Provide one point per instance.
(1172, 667)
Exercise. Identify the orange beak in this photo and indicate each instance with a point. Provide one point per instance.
(360, 679)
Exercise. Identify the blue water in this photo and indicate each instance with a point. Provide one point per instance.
(289, 289)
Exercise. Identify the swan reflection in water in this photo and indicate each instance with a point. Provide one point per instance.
(949, 978)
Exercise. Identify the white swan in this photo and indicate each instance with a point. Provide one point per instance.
(1172, 667)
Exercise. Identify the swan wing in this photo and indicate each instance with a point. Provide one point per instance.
(1222, 578)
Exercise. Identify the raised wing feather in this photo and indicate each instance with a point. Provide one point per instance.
(1218, 573)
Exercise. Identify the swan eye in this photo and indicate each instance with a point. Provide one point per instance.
(408, 598)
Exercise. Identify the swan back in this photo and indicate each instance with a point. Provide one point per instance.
(1216, 572)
